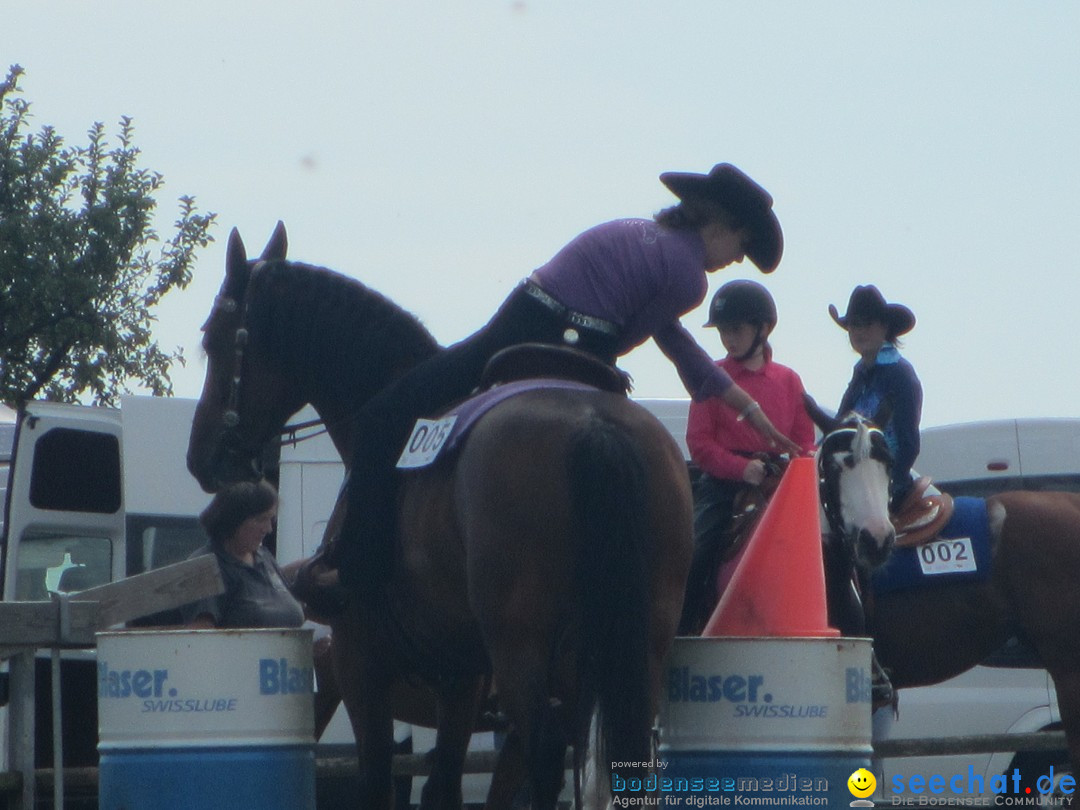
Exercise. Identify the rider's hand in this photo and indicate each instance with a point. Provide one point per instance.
(760, 422)
(754, 472)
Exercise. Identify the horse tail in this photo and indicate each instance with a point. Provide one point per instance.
(608, 482)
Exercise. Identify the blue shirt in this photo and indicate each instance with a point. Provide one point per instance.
(890, 380)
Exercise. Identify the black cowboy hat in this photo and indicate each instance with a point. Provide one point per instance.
(734, 190)
(868, 304)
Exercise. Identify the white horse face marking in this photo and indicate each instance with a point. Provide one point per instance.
(855, 466)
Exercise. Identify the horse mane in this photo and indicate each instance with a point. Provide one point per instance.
(331, 330)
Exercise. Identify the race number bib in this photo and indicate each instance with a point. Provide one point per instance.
(427, 439)
(947, 556)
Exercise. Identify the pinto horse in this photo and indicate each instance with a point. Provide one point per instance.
(927, 635)
(549, 555)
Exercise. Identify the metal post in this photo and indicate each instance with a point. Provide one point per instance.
(21, 729)
(63, 634)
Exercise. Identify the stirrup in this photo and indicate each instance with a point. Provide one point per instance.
(882, 692)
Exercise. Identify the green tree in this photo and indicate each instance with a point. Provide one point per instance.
(81, 266)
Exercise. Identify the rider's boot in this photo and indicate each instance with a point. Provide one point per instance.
(317, 586)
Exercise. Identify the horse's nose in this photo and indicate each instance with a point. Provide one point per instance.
(876, 546)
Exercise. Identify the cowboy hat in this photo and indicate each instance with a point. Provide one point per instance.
(868, 304)
(734, 190)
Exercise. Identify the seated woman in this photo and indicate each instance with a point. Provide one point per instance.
(238, 520)
(730, 454)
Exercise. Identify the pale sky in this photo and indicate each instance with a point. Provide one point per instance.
(441, 151)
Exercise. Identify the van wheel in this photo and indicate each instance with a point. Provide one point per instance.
(1035, 764)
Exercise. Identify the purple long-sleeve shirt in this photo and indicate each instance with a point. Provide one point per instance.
(642, 277)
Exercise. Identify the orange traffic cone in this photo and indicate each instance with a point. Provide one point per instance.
(778, 588)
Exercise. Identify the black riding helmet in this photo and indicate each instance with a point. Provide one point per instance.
(742, 301)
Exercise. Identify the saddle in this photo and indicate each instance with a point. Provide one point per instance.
(529, 361)
(921, 517)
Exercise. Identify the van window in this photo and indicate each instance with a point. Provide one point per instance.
(157, 540)
(62, 563)
(76, 471)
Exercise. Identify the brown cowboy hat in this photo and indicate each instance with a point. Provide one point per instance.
(734, 190)
(868, 304)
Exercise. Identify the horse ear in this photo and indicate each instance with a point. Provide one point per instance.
(825, 423)
(277, 246)
(235, 255)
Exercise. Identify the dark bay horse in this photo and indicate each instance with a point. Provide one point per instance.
(927, 635)
(549, 556)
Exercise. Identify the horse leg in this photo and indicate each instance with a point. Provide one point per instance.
(328, 697)
(375, 747)
(458, 708)
(366, 694)
(509, 774)
(538, 735)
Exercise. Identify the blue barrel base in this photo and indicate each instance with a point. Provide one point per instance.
(208, 778)
(817, 779)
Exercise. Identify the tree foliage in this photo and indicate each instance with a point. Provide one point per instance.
(81, 266)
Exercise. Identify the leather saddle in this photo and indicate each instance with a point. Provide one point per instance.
(527, 361)
(921, 516)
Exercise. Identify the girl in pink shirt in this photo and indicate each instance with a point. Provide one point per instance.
(730, 454)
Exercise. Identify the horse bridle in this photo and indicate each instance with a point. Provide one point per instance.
(231, 416)
(830, 483)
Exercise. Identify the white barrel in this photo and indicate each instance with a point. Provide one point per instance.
(765, 717)
(206, 718)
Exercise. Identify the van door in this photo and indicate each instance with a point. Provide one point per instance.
(64, 532)
(976, 458)
(64, 512)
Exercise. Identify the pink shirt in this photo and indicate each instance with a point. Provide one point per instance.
(713, 432)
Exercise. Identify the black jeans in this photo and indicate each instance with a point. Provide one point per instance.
(714, 508)
(383, 425)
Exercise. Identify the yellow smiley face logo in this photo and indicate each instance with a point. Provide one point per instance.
(861, 783)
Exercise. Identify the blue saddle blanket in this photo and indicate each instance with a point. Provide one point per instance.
(961, 553)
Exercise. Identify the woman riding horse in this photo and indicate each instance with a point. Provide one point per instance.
(609, 290)
(884, 388)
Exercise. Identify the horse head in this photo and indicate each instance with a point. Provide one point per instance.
(242, 404)
(853, 462)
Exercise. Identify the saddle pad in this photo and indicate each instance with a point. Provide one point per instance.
(433, 439)
(960, 553)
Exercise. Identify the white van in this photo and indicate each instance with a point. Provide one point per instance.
(90, 495)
